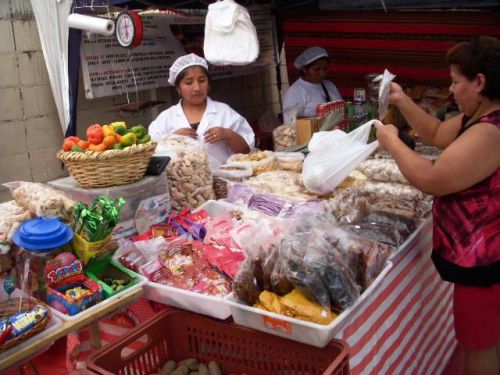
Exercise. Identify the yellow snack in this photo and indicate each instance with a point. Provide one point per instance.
(297, 305)
(270, 302)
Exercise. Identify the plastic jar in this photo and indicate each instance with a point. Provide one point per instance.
(39, 240)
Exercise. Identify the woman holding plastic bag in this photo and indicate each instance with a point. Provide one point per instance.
(465, 181)
(311, 89)
(198, 116)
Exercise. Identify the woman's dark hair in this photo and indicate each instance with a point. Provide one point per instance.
(311, 64)
(182, 74)
(480, 55)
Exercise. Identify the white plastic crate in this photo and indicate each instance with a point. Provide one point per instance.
(184, 299)
(298, 330)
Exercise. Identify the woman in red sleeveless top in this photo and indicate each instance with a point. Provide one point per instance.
(465, 181)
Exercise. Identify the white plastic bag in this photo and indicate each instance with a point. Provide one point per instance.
(333, 155)
(230, 36)
(383, 94)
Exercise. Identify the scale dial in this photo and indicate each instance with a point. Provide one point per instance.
(129, 29)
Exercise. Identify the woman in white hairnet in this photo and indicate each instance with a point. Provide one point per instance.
(311, 89)
(196, 115)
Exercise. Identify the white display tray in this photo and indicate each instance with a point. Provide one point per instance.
(298, 330)
(417, 239)
(64, 317)
(184, 299)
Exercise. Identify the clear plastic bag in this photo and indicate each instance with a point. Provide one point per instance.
(189, 176)
(41, 200)
(260, 161)
(383, 93)
(333, 155)
(290, 161)
(285, 136)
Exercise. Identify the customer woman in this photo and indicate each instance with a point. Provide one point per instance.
(465, 181)
(196, 115)
(311, 89)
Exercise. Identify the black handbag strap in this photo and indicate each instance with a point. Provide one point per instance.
(327, 96)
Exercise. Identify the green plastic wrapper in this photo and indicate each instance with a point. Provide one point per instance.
(96, 222)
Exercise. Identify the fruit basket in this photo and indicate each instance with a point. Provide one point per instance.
(93, 169)
(178, 335)
(11, 307)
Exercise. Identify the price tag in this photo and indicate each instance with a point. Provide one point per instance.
(277, 324)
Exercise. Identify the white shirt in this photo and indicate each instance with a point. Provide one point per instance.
(216, 114)
(306, 96)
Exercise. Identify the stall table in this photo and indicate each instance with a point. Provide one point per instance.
(406, 324)
(37, 346)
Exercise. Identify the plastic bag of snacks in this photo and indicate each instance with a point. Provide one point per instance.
(285, 136)
(233, 172)
(41, 200)
(290, 161)
(189, 177)
(260, 161)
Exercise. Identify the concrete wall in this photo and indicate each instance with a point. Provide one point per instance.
(30, 133)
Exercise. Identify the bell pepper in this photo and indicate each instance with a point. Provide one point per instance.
(139, 130)
(99, 147)
(120, 129)
(108, 130)
(118, 146)
(109, 141)
(118, 123)
(83, 144)
(69, 142)
(129, 139)
(77, 148)
(95, 134)
(144, 139)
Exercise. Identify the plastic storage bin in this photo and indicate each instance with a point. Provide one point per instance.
(203, 304)
(133, 193)
(294, 329)
(179, 335)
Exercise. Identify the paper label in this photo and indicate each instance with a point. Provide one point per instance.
(277, 324)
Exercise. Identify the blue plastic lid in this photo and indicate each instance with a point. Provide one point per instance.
(42, 234)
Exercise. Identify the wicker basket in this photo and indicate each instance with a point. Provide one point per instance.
(8, 308)
(92, 169)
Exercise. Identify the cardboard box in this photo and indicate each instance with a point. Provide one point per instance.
(306, 127)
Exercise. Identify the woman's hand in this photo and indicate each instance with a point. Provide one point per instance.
(396, 93)
(386, 134)
(187, 132)
(217, 134)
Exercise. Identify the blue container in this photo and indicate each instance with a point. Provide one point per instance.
(39, 240)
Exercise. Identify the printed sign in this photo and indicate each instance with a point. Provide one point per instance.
(109, 69)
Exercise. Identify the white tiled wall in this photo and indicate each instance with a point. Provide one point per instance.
(30, 133)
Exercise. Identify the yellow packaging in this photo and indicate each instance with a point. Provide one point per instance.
(88, 250)
(306, 127)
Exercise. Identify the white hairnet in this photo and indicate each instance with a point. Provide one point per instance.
(308, 56)
(184, 62)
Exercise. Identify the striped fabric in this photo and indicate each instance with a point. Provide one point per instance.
(405, 326)
(411, 44)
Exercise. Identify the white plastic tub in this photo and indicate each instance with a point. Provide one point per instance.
(184, 299)
(298, 330)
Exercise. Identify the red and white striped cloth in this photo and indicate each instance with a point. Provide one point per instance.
(405, 326)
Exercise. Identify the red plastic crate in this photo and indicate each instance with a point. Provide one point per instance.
(178, 335)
